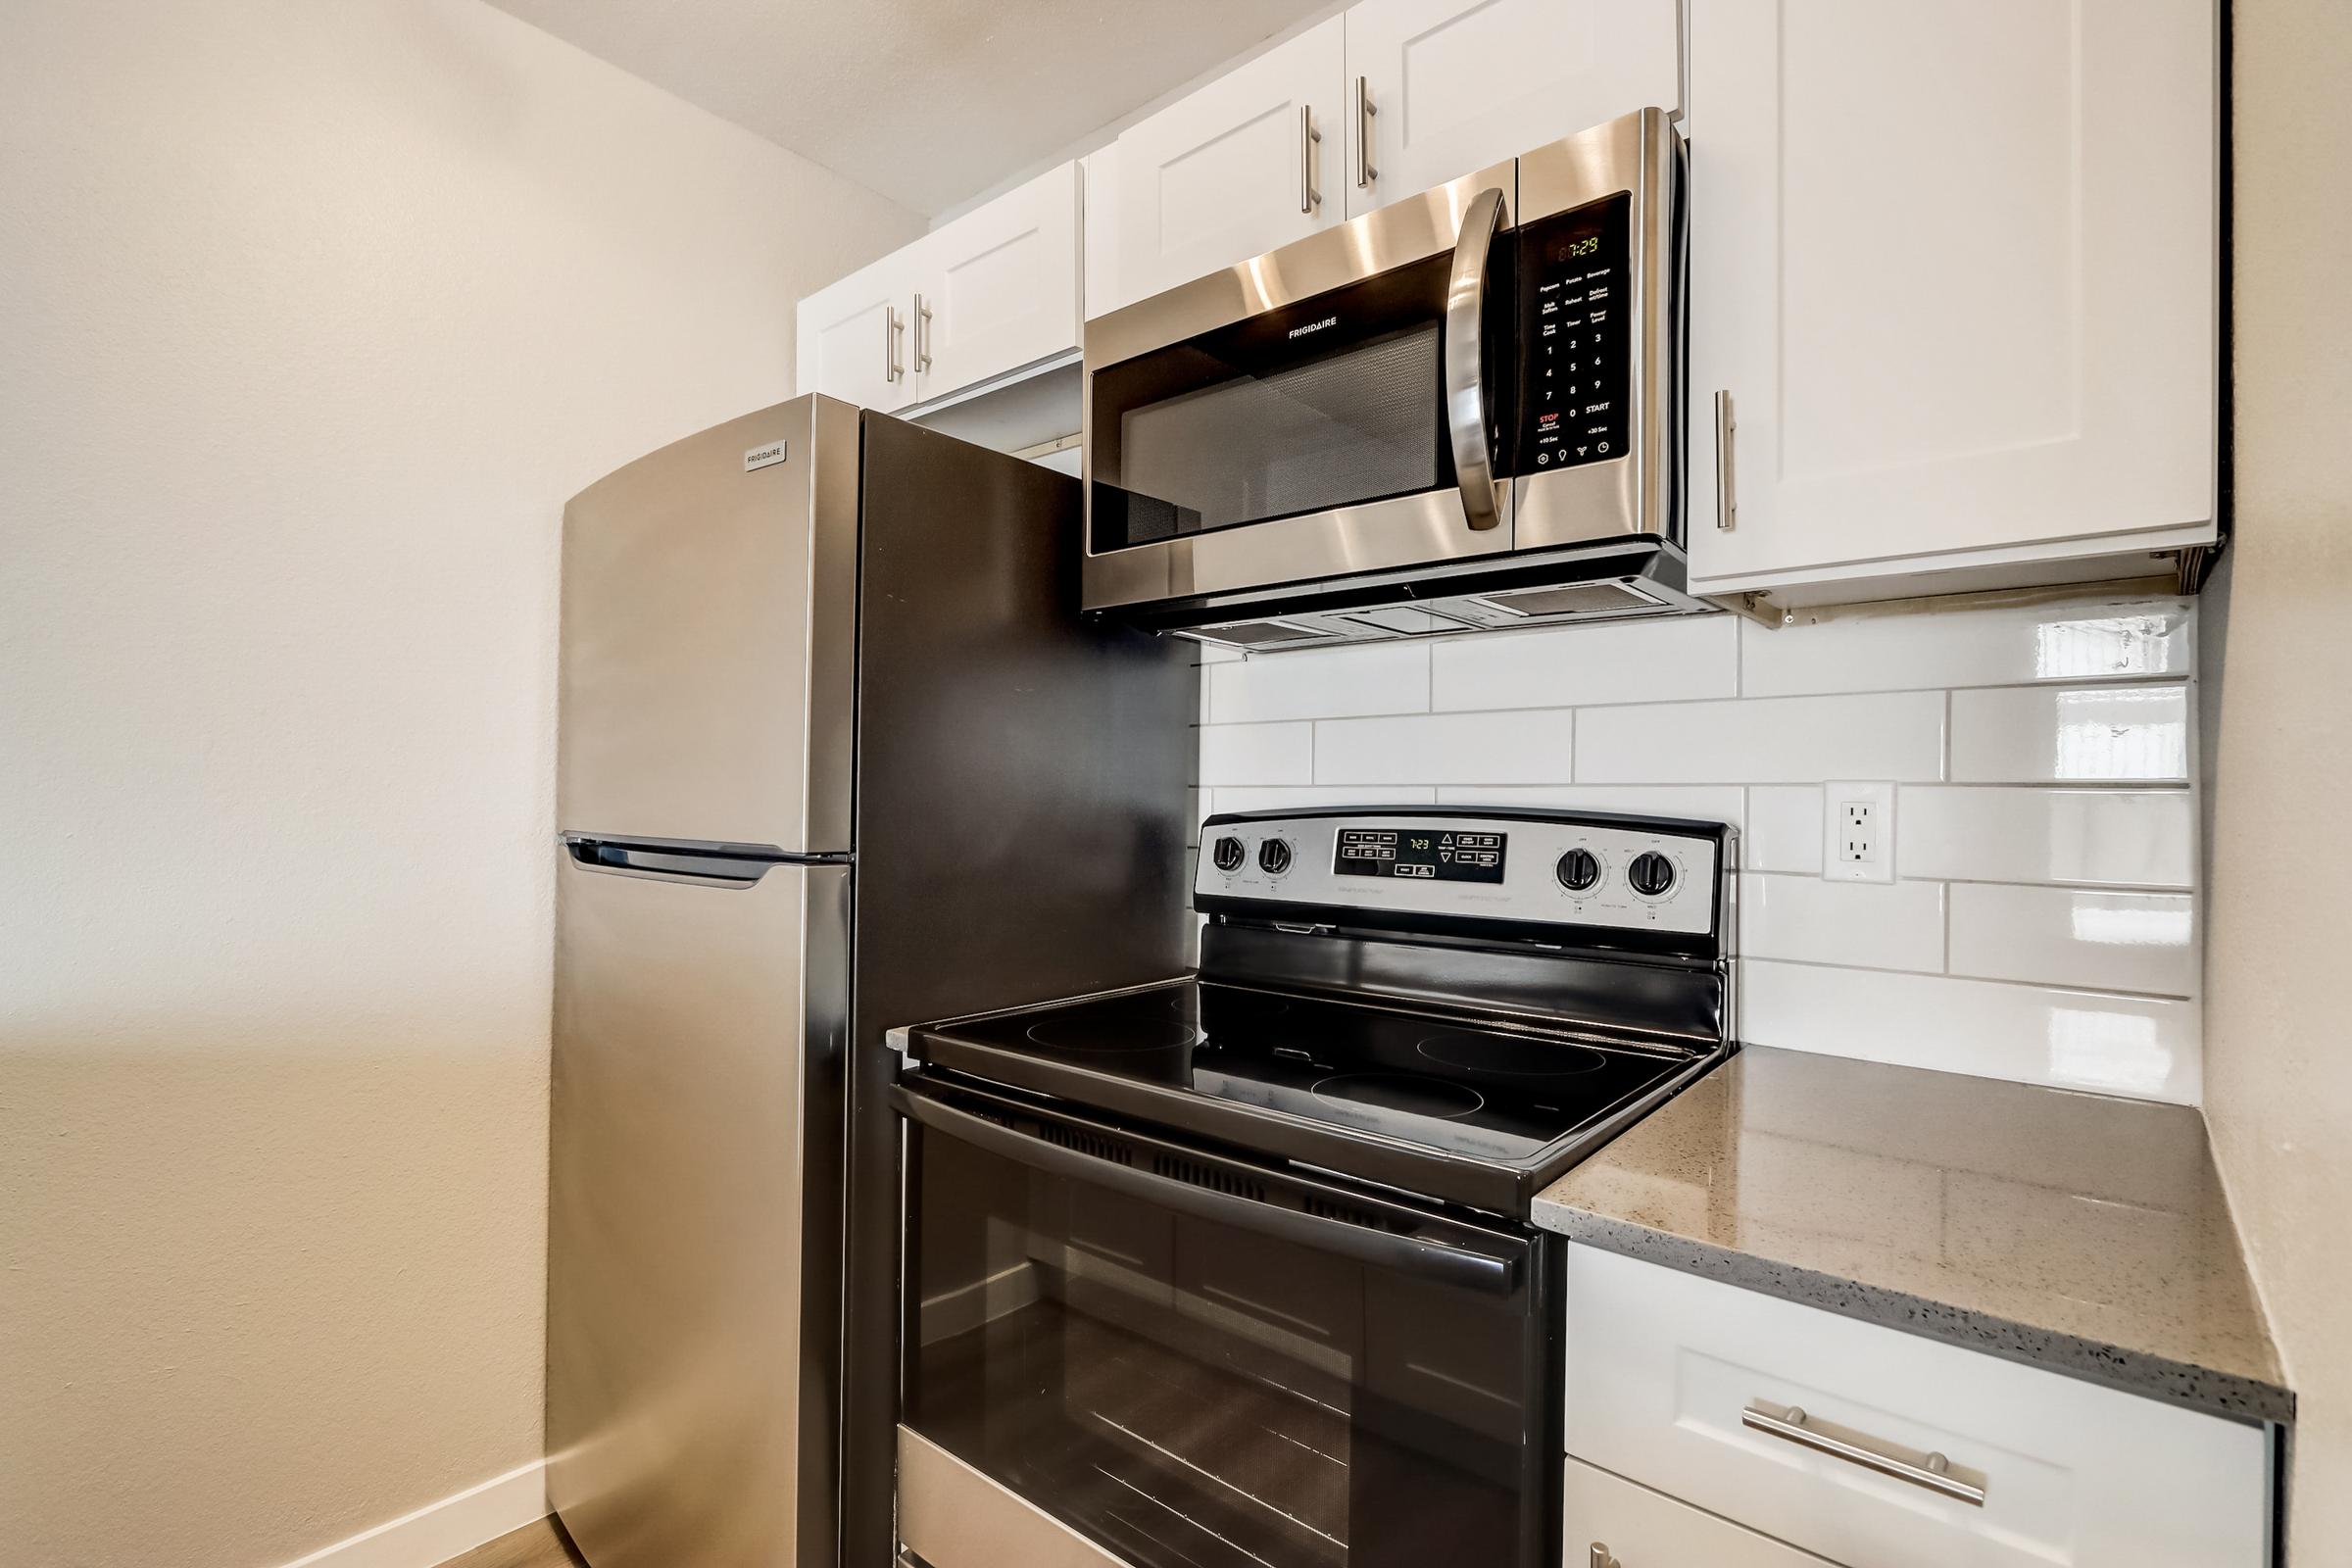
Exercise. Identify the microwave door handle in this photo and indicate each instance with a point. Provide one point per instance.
(1466, 411)
(1435, 1261)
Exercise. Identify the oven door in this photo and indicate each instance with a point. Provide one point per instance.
(1122, 1350)
(1330, 409)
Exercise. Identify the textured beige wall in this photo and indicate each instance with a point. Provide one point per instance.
(312, 313)
(2278, 738)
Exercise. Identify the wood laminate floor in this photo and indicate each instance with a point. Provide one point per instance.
(535, 1546)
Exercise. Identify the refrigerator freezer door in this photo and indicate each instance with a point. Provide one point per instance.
(709, 619)
(693, 1213)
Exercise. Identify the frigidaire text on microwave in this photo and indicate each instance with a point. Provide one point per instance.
(1462, 411)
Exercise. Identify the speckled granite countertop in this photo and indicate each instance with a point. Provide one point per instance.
(2069, 1231)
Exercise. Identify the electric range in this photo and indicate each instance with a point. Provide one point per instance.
(1235, 1271)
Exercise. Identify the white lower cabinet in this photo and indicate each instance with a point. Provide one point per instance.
(1608, 1522)
(1862, 1443)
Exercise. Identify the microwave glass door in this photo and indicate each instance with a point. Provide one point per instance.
(1332, 402)
(1196, 1394)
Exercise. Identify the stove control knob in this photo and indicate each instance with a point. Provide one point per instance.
(1229, 854)
(1578, 870)
(1274, 856)
(1651, 874)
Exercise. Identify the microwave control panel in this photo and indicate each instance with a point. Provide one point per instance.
(1576, 336)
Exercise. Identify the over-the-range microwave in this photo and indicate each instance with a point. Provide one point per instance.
(1462, 411)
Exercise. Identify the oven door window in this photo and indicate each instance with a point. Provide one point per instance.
(1332, 402)
(1194, 1394)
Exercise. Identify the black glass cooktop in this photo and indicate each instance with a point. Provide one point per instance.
(1457, 1089)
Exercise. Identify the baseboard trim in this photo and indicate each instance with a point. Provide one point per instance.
(440, 1530)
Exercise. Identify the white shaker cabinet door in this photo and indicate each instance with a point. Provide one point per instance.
(1955, 262)
(1000, 286)
(1607, 1519)
(856, 341)
(1438, 87)
(1250, 161)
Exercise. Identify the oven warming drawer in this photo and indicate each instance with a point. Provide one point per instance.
(952, 1516)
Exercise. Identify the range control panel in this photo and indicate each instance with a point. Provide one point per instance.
(1543, 868)
(1438, 854)
(1575, 328)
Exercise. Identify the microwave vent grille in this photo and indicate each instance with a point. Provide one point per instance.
(1262, 633)
(1573, 599)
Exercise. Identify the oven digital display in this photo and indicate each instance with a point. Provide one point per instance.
(1435, 854)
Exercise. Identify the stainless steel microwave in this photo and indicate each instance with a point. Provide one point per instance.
(1462, 411)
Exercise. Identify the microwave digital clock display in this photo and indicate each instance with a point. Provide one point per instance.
(1575, 339)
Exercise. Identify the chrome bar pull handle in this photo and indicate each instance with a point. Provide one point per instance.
(922, 335)
(1931, 1471)
(1310, 198)
(1365, 174)
(1727, 471)
(1681, 62)
(891, 327)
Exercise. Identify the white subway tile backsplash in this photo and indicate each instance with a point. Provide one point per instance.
(1256, 754)
(1785, 740)
(1873, 648)
(1309, 797)
(2108, 734)
(2046, 836)
(1380, 678)
(2132, 1045)
(1708, 803)
(1579, 666)
(1877, 925)
(1783, 829)
(1516, 747)
(2113, 838)
(2075, 936)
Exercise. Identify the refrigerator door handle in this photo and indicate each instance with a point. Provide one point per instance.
(675, 862)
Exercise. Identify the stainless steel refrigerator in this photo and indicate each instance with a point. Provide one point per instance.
(835, 754)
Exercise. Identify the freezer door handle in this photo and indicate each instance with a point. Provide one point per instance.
(1433, 1260)
(717, 868)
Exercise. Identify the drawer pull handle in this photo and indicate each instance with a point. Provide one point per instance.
(1932, 1471)
(1602, 1557)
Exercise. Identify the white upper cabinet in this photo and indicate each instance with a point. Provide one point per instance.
(1438, 87)
(1000, 285)
(853, 336)
(1255, 160)
(973, 300)
(1955, 262)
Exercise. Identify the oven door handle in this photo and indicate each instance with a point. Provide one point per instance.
(1438, 1262)
(1466, 411)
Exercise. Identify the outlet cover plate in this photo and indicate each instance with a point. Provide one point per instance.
(1857, 830)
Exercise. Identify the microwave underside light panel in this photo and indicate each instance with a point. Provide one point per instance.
(1643, 581)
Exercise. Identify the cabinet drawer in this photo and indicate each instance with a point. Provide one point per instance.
(1639, 1529)
(1718, 1396)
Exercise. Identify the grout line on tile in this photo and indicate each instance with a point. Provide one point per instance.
(1977, 980)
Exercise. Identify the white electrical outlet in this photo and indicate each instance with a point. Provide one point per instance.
(1857, 831)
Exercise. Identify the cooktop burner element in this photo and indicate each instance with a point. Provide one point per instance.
(1395, 1091)
(1512, 1056)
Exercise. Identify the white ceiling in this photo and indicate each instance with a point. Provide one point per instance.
(929, 102)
